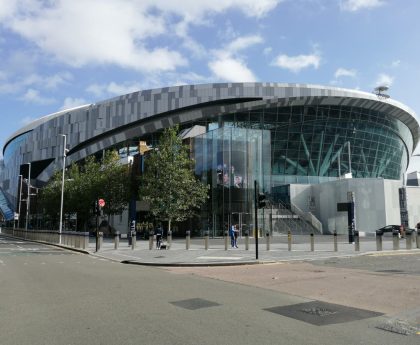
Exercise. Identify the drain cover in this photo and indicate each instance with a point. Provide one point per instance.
(399, 327)
(194, 303)
(321, 313)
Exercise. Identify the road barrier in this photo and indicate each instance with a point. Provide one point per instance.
(101, 240)
(335, 241)
(226, 240)
(116, 240)
(356, 241)
(378, 242)
(151, 234)
(246, 240)
(289, 241)
(74, 239)
(267, 237)
(187, 240)
(408, 240)
(206, 240)
(312, 242)
(133, 239)
(169, 240)
(395, 241)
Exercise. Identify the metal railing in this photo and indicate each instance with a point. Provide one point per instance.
(73, 239)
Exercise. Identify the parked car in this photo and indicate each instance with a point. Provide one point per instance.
(393, 229)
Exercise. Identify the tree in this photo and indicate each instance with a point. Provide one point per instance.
(169, 184)
(87, 182)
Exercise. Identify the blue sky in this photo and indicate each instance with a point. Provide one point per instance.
(57, 54)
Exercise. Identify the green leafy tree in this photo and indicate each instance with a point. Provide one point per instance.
(169, 184)
(84, 184)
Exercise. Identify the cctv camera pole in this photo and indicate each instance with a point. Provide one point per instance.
(256, 218)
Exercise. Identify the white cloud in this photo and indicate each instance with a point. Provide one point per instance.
(297, 63)
(33, 96)
(232, 70)
(70, 102)
(102, 90)
(243, 42)
(343, 72)
(267, 50)
(227, 65)
(116, 32)
(26, 120)
(384, 79)
(355, 5)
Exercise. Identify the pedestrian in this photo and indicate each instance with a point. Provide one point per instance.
(232, 235)
(159, 234)
(235, 235)
(402, 231)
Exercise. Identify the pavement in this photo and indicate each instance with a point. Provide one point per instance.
(216, 255)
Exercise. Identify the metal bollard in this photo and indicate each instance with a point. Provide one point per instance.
(408, 240)
(267, 237)
(335, 241)
(206, 240)
(101, 240)
(379, 241)
(418, 239)
(151, 234)
(289, 240)
(226, 240)
(187, 239)
(246, 240)
(169, 240)
(356, 241)
(133, 239)
(395, 241)
(116, 239)
(312, 242)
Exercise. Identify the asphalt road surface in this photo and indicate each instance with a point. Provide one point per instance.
(52, 296)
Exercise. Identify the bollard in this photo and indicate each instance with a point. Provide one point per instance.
(379, 241)
(335, 241)
(187, 239)
(101, 238)
(169, 240)
(226, 240)
(289, 240)
(267, 237)
(356, 241)
(408, 239)
(312, 242)
(418, 239)
(206, 240)
(246, 240)
(151, 234)
(133, 239)
(116, 239)
(395, 241)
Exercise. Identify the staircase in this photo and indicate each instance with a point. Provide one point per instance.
(290, 218)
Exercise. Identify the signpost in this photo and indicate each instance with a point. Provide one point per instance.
(99, 203)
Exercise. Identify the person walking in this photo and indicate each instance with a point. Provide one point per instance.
(236, 235)
(159, 234)
(232, 235)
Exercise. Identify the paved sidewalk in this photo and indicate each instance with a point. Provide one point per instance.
(177, 255)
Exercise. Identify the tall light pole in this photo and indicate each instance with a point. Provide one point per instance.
(62, 186)
(20, 198)
(28, 197)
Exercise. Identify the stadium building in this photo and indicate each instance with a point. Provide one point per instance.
(312, 149)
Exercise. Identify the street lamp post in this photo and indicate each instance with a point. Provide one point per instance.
(62, 187)
(28, 197)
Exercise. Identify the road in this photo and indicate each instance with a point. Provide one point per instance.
(52, 296)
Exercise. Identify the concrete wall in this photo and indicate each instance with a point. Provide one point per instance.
(376, 203)
(413, 205)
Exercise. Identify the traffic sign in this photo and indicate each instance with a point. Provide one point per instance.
(101, 202)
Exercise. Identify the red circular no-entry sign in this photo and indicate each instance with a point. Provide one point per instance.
(101, 202)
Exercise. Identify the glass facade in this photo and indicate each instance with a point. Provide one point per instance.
(278, 146)
(229, 160)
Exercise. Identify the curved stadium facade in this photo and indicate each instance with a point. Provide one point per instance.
(282, 135)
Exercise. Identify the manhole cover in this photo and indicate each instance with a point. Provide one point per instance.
(399, 327)
(195, 303)
(321, 313)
